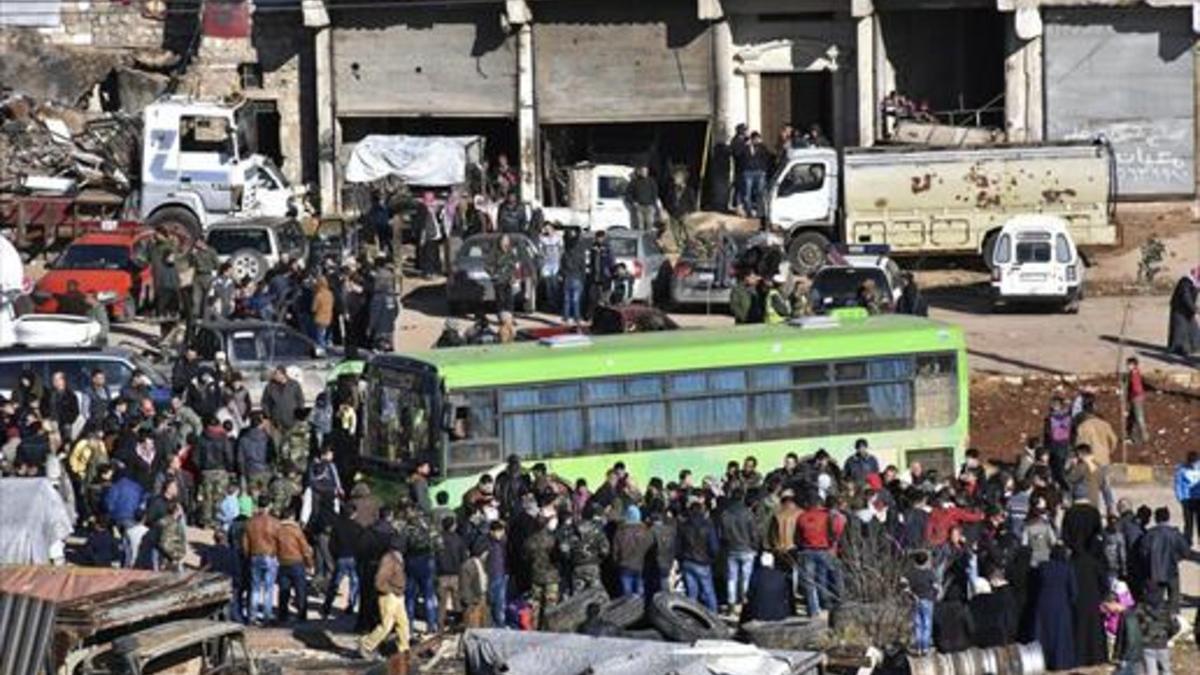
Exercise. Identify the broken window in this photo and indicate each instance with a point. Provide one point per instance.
(205, 134)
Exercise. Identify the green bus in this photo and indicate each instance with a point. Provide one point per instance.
(666, 401)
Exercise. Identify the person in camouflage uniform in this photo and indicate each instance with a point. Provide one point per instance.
(284, 489)
(172, 538)
(214, 458)
(585, 546)
(296, 444)
(539, 552)
(422, 541)
(204, 263)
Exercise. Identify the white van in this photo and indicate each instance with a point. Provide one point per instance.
(1035, 260)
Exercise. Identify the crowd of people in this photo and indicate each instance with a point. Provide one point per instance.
(1033, 549)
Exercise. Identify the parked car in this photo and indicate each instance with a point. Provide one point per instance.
(471, 285)
(837, 283)
(641, 255)
(694, 278)
(117, 363)
(1035, 260)
(113, 261)
(255, 348)
(256, 245)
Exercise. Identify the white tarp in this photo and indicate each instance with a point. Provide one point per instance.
(33, 518)
(417, 160)
(31, 13)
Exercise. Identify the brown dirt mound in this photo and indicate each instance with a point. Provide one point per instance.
(1004, 410)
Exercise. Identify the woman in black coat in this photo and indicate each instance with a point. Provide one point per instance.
(1054, 603)
(1091, 647)
(1183, 335)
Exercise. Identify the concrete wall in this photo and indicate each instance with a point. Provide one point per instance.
(100, 24)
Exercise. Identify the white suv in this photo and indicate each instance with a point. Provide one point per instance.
(1035, 260)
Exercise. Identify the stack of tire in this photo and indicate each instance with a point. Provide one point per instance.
(667, 616)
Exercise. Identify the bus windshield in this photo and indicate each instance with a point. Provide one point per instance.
(401, 424)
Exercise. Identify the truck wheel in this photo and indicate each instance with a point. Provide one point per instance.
(180, 223)
(806, 252)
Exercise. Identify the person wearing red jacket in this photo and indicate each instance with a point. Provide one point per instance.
(946, 517)
(816, 533)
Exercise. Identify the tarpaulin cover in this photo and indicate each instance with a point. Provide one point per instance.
(32, 517)
(417, 160)
(64, 584)
(491, 651)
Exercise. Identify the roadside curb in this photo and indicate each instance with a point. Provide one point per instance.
(1140, 474)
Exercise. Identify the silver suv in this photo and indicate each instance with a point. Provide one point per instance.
(77, 364)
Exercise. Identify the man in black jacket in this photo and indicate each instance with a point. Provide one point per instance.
(739, 541)
(215, 461)
(61, 405)
(1162, 547)
(449, 559)
(343, 544)
(642, 193)
(698, 548)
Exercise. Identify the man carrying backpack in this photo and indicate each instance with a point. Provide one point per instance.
(421, 542)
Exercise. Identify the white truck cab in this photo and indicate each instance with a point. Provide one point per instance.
(197, 167)
(802, 196)
(596, 198)
(1035, 260)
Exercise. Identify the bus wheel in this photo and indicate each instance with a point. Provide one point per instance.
(806, 252)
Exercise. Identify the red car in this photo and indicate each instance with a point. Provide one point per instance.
(101, 261)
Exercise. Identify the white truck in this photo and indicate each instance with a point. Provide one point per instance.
(595, 198)
(936, 201)
(197, 168)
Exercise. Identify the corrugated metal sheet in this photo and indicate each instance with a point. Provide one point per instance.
(26, 628)
(1127, 74)
(621, 62)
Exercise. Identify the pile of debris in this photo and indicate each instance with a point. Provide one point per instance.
(49, 148)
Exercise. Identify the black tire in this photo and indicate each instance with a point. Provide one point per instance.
(988, 248)
(806, 252)
(650, 634)
(795, 633)
(568, 615)
(681, 619)
(625, 612)
(179, 222)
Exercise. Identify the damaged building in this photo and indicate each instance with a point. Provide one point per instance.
(551, 82)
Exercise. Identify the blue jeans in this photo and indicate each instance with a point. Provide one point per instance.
(698, 579)
(572, 298)
(631, 583)
(345, 569)
(263, 570)
(321, 335)
(923, 625)
(822, 580)
(753, 184)
(291, 578)
(738, 567)
(498, 599)
(422, 577)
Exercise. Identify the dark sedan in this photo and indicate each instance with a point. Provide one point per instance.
(471, 286)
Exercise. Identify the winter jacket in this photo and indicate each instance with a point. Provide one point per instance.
(451, 556)
(1163, 546)
(214, 451)
(1187, 482)
(281, 401)
(261, 536)
(390, 577)
(858, 467)
(124, 499)
(254, 452)
(322, 304)
(738, 532)
(1098, 434)
(943, 519)
(783, 534)
(664, 534)
(292, 547)
(814, 530)
(697, 540)
(631, 543)
(344, 538)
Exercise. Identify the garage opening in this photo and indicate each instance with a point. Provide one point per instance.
(799, 99)
(500, 133)
(668, 148)
(949, 62)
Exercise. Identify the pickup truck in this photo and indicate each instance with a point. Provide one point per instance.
(596, 198)
(936, 201)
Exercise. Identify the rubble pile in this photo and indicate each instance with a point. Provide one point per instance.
(49, 148)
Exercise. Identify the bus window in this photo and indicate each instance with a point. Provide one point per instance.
(935, 391)
(533, 433)
(801, 413)
(720, 418)
(400, 419)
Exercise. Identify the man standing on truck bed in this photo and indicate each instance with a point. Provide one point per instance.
(755, 162)
(643, 194)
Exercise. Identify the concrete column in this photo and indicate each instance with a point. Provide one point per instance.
(1196, 112)
(326, 124)
(1023, 85)
(753, 100)
(1035, 98)
(527, 126)
(868, 98)
(885, 73)
(722, 36)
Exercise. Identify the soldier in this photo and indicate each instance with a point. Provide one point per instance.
(204, 262)
(215, 460)
(539, 551)
(585, 546)
(172, 538)
(284, 489)
(297, 443)
(422, 541)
